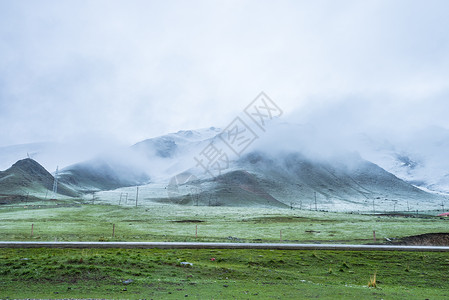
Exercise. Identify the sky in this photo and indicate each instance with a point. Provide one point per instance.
(124, 71)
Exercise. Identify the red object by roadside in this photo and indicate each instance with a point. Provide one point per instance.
(444, 215)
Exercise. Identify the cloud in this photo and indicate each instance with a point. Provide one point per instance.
(133, 70)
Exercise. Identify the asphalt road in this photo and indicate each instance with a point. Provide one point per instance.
(186, 245)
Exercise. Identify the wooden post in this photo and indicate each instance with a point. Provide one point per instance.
(113, 230)
(374, 235)
(32, 229)
(316, 208)
(196, 231)
(280, 236)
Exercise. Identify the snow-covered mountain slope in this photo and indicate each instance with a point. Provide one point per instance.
(155, 160)
(421, 159)
(348, 182)
(289, 165)
(175, 144)
(99, 174)
(171, 154)
(339, 183)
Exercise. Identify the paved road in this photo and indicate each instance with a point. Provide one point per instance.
(175, 245)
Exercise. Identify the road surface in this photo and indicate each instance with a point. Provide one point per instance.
(188, 245)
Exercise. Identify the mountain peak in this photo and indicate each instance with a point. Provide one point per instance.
(27, 175)
(30, 166)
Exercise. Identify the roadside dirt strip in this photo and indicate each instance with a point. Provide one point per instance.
(186, 245)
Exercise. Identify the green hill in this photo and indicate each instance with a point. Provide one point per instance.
(28, 177)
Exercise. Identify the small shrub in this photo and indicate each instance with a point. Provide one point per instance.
(372, 281)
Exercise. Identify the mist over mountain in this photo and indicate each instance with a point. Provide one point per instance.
(327, 162)
(420, 158)
(289, 165)
(101, 174)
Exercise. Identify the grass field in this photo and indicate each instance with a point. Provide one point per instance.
(218, 274)
(214, 274)
(212, 224)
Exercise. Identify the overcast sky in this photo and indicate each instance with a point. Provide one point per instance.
(130, 70)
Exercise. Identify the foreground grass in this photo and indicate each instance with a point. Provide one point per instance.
(214, 274)
(76, 222)
(220, 274)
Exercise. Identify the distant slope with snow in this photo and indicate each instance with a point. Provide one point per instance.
(420, 159)
(98, 174)
(291, 166)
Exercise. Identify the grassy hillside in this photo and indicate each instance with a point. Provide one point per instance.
(28, 179)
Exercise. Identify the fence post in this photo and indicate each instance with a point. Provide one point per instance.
(374, 235)
(113, 230)
(32, 229)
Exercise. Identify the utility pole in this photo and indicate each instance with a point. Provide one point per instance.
(137, 195)
(442, 206)
(55, 182)
(316, 208)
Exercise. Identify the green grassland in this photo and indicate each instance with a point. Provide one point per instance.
(219, 274)
(66, 221)
(214, 274)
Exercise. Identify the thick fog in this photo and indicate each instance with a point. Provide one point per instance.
(94, 74)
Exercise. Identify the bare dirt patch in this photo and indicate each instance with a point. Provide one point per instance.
(427, 239)
(189, 221)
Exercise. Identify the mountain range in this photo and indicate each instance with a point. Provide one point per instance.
(272, 172)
